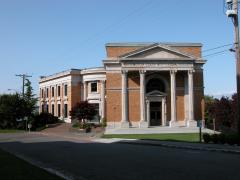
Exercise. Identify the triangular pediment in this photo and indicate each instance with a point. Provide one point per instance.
(156, 51)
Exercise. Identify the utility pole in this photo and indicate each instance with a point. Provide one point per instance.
(23, 76)
(232, 12)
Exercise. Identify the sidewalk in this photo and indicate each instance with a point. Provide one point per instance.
(225, 148)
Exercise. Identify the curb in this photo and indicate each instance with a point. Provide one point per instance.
(181, 147)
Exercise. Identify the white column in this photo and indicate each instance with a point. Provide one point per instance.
(85, 91)
(163, 112)
(148, 112)
(124, 122)
(143, 120)
(186, 96)
(191, 121)
(173, 98)
(103, 99)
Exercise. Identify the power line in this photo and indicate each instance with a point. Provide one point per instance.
(225, 45)
(216, 53)
(110, 28)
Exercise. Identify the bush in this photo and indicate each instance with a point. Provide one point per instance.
(104, 122)
(206, 137)
(215, 138)
(233, 139)
(222, 138)
(43, 119)
(86, 126)
(76, 125)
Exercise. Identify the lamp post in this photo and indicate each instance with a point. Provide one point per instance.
(16, 91)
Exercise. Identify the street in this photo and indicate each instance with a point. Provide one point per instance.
(92, 161)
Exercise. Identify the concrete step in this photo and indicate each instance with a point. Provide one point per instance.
(155, 130)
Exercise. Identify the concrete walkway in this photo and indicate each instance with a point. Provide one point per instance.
(154, 130)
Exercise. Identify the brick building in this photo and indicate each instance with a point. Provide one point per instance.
(140, 85)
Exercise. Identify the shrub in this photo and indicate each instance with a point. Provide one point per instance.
(86, 126)
(104, 122)
(43, 119)
(215, 138)
(233, 139)
(206, 137)
(222, 138)
(76, 125)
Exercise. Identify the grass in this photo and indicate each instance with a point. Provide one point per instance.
(10, 131)
(185, 137)
(12, 167)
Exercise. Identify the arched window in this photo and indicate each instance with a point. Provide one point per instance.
(155, 84)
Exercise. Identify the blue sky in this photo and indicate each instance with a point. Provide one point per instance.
(48, 36)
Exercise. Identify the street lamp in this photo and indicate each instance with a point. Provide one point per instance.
(16, 91)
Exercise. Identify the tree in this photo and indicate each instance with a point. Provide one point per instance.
(224, 111)
(209, 100)
(83, 111)
(12, 107)
(30, 99)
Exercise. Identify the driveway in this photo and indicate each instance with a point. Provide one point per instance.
(84, 159)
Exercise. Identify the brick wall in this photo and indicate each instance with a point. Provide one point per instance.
(194, 51)
(118, 51)
(114, 97)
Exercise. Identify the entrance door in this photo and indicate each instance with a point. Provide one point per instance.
(155, 113)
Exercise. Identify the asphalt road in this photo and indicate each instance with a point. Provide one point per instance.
(94, 161)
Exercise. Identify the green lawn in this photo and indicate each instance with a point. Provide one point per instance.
(186, 137)
(12, 167)
(10, 131)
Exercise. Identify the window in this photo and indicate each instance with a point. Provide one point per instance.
(42, 93)
(96, 118)
(65, 110)
(47, 92)
(59, 110)
(58, 90)
(65, 90)
(52, 109)
(155, 84)
(42, 108)
(52, 91)
(94, 87)
(47, 109)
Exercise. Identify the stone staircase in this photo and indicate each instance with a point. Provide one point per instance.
(155, 130)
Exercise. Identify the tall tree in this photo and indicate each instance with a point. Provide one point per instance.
(30, 99)
(12, 107)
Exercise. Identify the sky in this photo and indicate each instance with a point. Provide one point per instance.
(48, 36)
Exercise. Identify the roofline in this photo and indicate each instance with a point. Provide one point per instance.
(59, 74)
(93, 70)
(137, 44)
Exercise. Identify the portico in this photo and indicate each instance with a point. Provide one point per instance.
(166, 86)
(146, 98)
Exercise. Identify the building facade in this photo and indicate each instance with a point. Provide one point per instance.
(140, 85)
